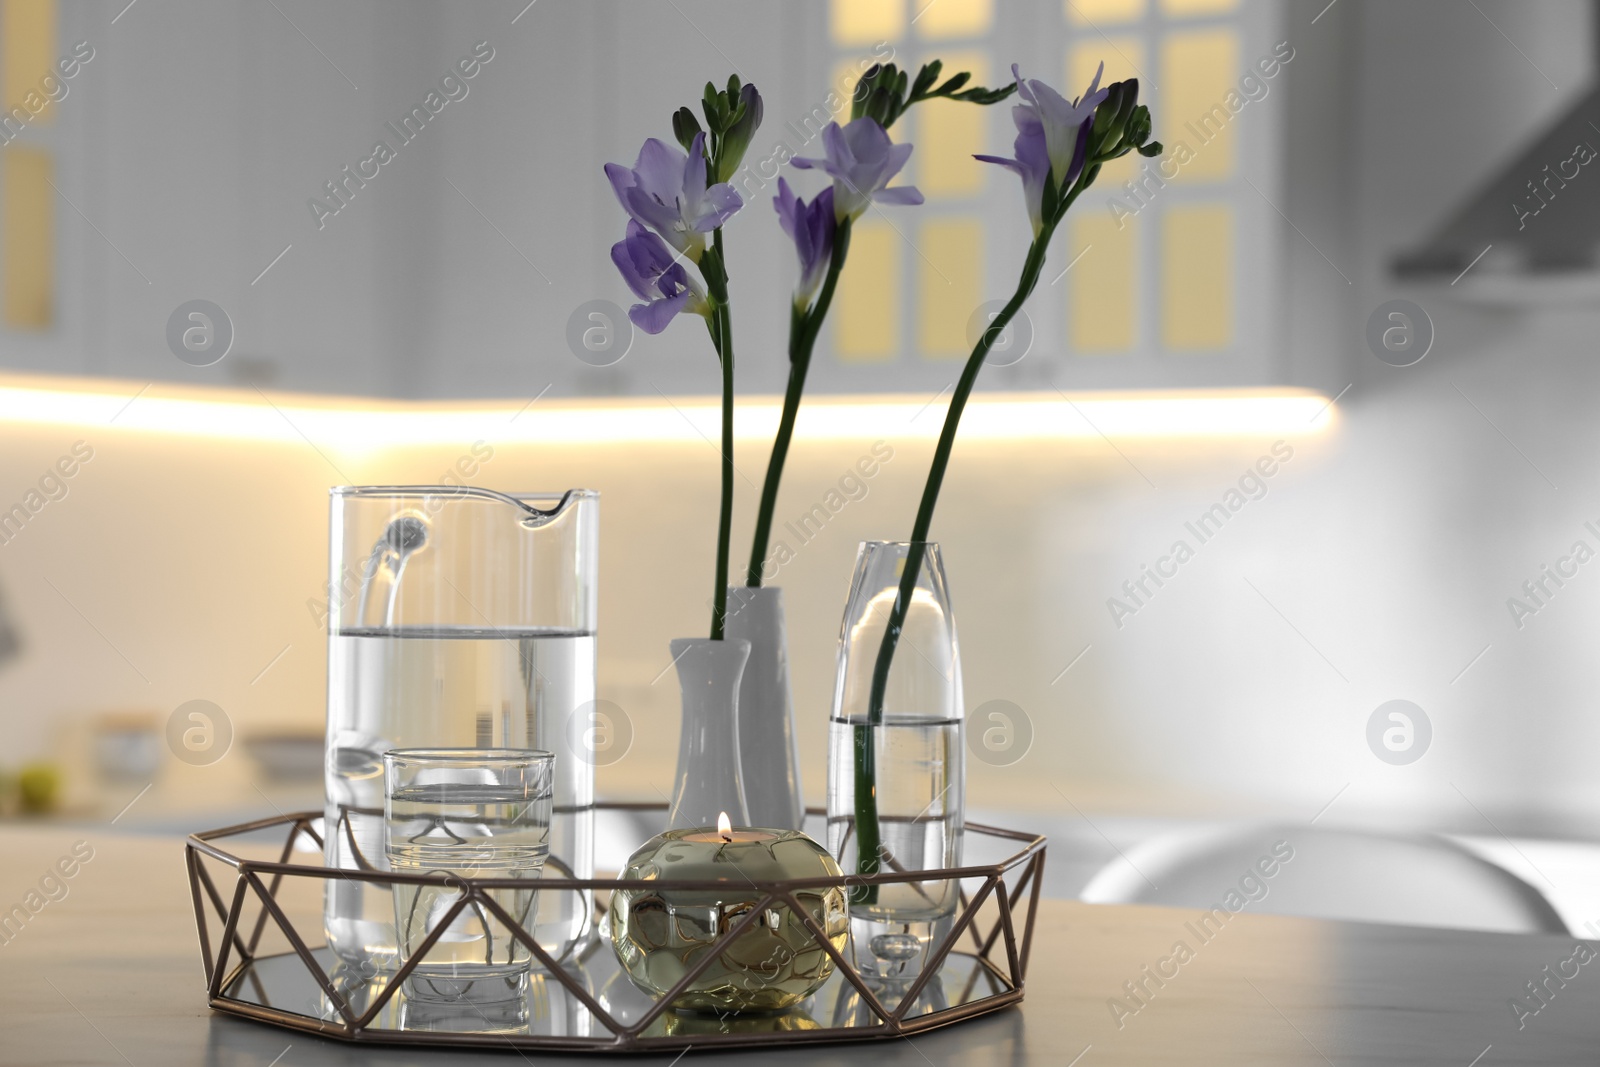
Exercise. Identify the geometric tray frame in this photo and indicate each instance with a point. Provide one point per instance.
(1008, 912)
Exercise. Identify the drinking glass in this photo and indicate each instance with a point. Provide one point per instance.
(455, 813)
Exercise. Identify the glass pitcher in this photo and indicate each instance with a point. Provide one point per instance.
(458, 617)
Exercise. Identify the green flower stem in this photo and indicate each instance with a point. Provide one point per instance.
(868, 834)
(941, 460)
(869, 840)
(799, 363)
(888, 102)
(804, 325)
(714, 268)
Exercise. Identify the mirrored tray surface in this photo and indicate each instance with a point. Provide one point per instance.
(544, 1012)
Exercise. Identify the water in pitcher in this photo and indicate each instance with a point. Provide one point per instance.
(405, 687)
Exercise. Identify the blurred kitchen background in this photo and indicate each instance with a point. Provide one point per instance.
(1341, 156)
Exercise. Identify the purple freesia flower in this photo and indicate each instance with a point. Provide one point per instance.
(1063, 120)
(810, 227)
(1032, 164)
(1052, 138)
(657, 277)
(666, 190)
(861, 159)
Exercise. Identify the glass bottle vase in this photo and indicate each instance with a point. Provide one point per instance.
(897, 776)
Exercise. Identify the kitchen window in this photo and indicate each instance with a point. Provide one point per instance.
(27, 164)
(1165, 271)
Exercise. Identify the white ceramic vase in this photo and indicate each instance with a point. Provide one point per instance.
(767, 751)
(709, 780)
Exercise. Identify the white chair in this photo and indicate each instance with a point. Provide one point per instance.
(1321, 873)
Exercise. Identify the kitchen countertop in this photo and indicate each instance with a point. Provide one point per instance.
(110, 973)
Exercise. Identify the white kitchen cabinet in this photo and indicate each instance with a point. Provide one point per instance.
(190, 150)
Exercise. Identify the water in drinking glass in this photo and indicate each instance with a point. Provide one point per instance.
(455, 814)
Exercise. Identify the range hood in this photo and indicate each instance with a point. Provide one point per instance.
(1535, 225)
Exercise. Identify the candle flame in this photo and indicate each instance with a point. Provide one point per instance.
(724, 826)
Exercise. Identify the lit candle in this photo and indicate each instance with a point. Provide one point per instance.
(725, 834)
(661, 932)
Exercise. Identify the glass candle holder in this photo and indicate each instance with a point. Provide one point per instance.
(661, 933)
(457, 813)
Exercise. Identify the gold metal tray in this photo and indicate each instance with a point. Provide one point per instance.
(249, 910)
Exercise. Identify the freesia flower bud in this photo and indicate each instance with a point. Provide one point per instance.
(685, 126)
(747, 119)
